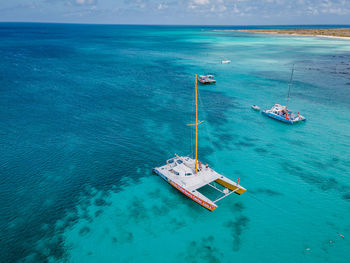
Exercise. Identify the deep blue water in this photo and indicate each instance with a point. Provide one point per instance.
(86, 111)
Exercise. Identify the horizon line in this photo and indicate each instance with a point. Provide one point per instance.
(130, 24)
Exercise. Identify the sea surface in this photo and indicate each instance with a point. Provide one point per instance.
(86, 112)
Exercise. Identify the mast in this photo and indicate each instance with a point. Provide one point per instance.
(290, 85)
(196, 122)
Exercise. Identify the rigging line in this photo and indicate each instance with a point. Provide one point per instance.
(252, 195)
(290, 85)
(206, 126)
(218, 196)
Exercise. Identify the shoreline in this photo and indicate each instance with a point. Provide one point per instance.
(322, 33)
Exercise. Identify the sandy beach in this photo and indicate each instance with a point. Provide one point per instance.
(339, 33)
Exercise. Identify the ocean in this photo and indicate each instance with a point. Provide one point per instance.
(86, 112)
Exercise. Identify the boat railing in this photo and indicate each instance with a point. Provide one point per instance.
(225, 191)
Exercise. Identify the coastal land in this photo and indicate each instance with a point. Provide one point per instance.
(329, 32)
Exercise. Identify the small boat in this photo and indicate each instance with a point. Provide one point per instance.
(225, 61)
(189, 175)
(255, 107)
(208, 79)
(281, 113)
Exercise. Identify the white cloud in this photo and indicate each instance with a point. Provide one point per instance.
(312, 10)
(235, 9)
(179, 11)
(83, 2)
(162, 6)
(218, 9)
(201, 2)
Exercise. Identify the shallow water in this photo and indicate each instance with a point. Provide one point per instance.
(88, 111)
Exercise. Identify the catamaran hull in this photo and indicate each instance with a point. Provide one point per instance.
(203, 203)
(279, 118)
(230, 185)
(207, 82)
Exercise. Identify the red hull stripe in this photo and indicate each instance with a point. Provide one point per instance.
(193, 197)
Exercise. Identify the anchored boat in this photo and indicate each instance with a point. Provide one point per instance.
(281, 113)
(208, 79)
(255, 107)
(227, 61)
(188, 175)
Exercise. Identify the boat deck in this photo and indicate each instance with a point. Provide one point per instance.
(281, 113)
(191, 182)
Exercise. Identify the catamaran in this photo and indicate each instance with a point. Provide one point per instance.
(188, 175)
(282, 113)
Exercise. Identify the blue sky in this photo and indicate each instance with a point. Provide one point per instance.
(205, 12)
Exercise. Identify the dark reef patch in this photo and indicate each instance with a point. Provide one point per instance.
(100, 202)
(177, 224)
(129, 237)
(346, 163)
(323, 183)
(335, 160)
(236, 227)
(160, 210)
(154, 194)
(84, 230)
(171, 202)
(315, 163)
(244, 144)
(346, 197)
(225, 137)
(296, 142)
(219, 145)
(249, 139)
(217, 105)
(260, 150)
(266, 191)
(86, 216)
(98, 212)
(51, 248)
(237, 207)
(138, 211)
(200, 251)
(56, 247)
(85, 203)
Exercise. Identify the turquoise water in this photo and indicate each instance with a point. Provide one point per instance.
(88, 111)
